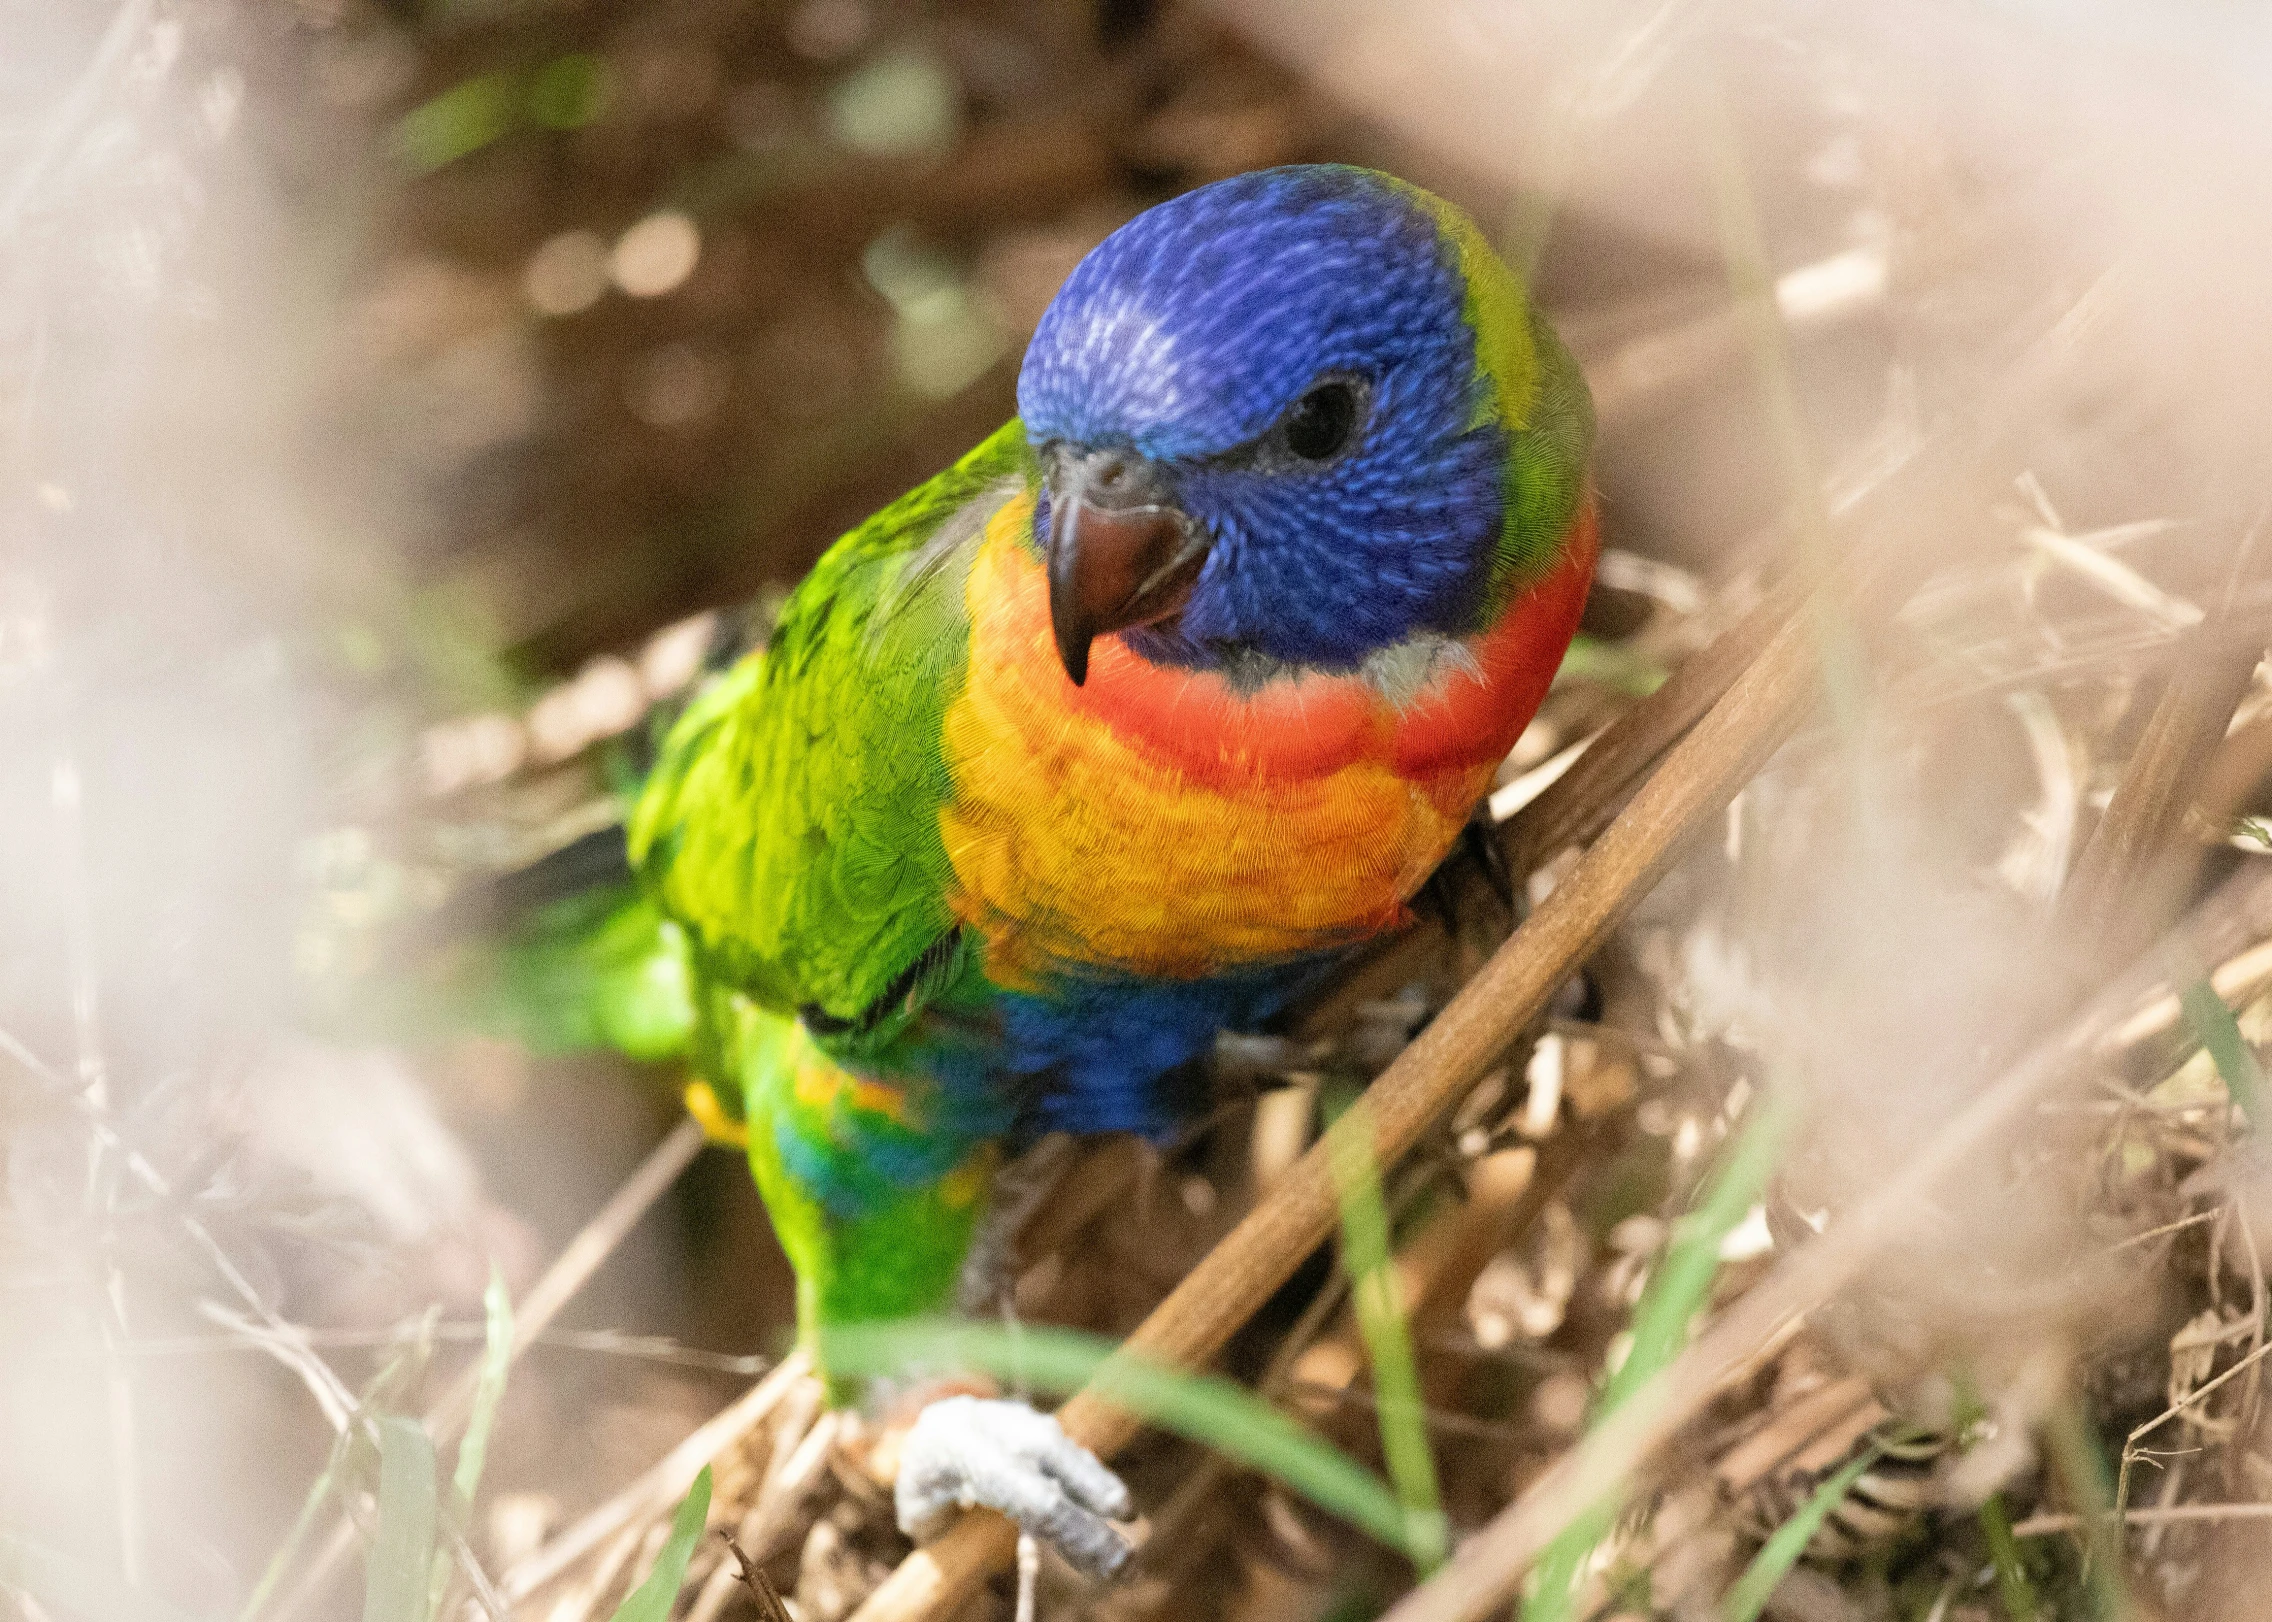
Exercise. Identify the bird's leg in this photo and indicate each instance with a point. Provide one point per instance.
(1479, 842)
(966, 1451)
(990, 1268)
(969, 1452)
(1479, 852)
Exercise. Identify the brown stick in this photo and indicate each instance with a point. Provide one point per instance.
(1697, 779)
(2143, 832)
(1583, 800)
(659, 1485)
(1483, 1577)
(2036, 1526)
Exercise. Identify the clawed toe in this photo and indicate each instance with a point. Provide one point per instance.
(965, 1452)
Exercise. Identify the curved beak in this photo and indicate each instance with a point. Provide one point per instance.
(1120, 551)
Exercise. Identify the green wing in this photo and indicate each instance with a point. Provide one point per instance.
(791, 826)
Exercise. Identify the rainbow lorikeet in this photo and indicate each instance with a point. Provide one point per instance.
(1124, 728)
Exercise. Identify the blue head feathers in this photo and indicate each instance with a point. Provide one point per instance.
(1286, 357)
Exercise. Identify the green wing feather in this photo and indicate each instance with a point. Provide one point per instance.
(791, 826)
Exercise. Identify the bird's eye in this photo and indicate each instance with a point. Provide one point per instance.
(1322, 421)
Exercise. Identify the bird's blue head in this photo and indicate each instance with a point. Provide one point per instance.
(1274, 419)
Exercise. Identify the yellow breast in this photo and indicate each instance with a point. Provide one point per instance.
(1156, 823)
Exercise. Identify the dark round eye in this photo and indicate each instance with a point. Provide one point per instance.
(1319, 426)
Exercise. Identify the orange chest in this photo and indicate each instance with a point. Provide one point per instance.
(1156, 822)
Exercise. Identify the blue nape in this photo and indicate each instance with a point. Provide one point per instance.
(1192, 330)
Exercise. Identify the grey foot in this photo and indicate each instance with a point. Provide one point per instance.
(968, 1452)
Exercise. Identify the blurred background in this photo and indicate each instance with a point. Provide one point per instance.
(401, 400)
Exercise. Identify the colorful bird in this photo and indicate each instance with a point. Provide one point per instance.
(1119, 732)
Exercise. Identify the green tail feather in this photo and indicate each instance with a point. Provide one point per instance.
(603, 970)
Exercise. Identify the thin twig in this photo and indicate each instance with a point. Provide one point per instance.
(752, 1577)
(576, 1265)
(2140, 844)
(340, 1405)
(801, 1448)
(2193, 1221)
(2036, 1526)
(602, 1342)
(584, 1597)
(67, 798)
(1580, 803)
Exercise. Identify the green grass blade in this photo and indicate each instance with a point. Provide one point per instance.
(2004, 1554)
(2219, 1034)
(1388, 1342)
(570, 91)
(2081, 1466)
(1683, 1280)
(457, 123)
(652, 1600)
(1782, 1549)
(402, 1549)
(489, 1386)
(481, 1420)
(303, 1524)
(1203, 1407)
(1622, 669)
(1675, 1294)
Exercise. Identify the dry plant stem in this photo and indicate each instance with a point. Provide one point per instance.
(1179, 1541)
(1496, 1217)
(772, 1520)
(1697, 779)
(2143, 830)
(1486, 1573)
(1746, 1464)
(584, 1598)
(287, 1342)
(1492, 1219)
(1581, 802)
(2130, 1449)
(2036, 1526)
(754, 1581)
